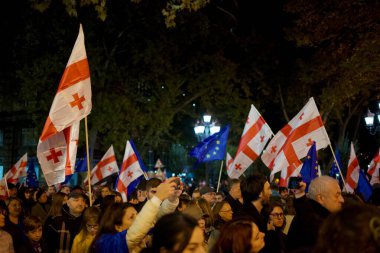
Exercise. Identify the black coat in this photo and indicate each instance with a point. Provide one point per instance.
(303, 231)
(235, 204)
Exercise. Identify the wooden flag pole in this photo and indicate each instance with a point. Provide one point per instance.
(220, 175)
(88, 163)
(340, 172)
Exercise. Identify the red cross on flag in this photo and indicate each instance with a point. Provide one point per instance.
(3, 189)
(255, 135)
(57, 154)
(293, 142)
(373, 169)
(353, 171)
(72, 101)
(105, 167)
(18, 170)
(130, 171)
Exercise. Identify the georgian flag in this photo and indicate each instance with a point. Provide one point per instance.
(229, 161)
(57, 154)
(18, 170)
(105, 167)
(255, 135)
(130, 172)
(286, 149)
(72, 101)
(353, 171)
(373, 169)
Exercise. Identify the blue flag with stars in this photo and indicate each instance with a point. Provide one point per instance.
(212, 148)
(309, 169)
(31, 177)
(334, 171)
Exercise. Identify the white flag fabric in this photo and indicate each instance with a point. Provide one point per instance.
(72, 101)
(18, 170)
(105, 167)
(353, 171)
(229, 161)
(255, 135)
(130, 170)
(293, 142)
(3, 189)
(57, 154)
(373, 169)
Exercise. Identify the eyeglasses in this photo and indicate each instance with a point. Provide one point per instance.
(90, 227)
(277, 215)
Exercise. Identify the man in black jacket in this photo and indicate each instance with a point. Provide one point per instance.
(234, 197)
(324, 197)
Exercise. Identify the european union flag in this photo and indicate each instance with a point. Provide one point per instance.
(31, 177)
(212, 148)
(309, 169)
(364, 187)
(81, 164)
(334, 171)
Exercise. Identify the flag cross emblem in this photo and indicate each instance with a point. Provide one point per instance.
(238, 166)
(130, 174)
(77, 101)
(309, 142)
(273, 149)
(54, 155)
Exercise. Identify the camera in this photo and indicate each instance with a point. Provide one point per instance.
(294, 182)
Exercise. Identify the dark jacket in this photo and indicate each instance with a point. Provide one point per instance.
(41, 211)
(235, 204)
(303, 231)
(29, 247)
(60, 231)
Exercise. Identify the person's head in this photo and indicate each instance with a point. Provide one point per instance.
(208, 194)
(240, 236)
(234, 188)
(41, 196)
(219, 196)
(33, 228)
(275, 213)
(118, 197)
(3, 213)
(133, 198)
(206, 211)
(90, 222)
(223, 211)
(104, 191)
(326, 191)
(76, 203)
(196, 194)
(65, 189)
(184, 200)
(58, 200)
(141, 191)
(185, 235)
(354, 227)
(28, 194)
(117, 218)
(151, 187)
(12, 190)
(14, 206)
(255, 188)
(51, 190)
(284, 192)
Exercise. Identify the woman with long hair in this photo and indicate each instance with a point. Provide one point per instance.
(14, 221)
(240, 236)
(274, 214)
(177, 233)
(222, 212)
(90, 224)
(58, 200)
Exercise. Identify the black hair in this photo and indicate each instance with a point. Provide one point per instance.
(252, 186)
(179, 226)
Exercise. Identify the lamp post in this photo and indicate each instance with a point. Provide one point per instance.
(372, 120)
(205, 128)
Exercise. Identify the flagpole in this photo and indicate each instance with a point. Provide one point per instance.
(88, 162)
(337, 164)
(220, 175)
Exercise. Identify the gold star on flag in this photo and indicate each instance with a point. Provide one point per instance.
(214, 153)
(218, 142)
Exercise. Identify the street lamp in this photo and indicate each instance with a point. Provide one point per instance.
(205, 128)
(372, 121)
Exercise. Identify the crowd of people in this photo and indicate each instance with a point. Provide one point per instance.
(249, 216)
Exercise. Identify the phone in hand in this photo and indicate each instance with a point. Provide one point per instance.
(178, 183)
(294, 182)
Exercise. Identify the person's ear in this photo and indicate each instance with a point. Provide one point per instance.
(118, 228)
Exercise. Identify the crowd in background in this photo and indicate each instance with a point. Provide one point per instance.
(248, 215)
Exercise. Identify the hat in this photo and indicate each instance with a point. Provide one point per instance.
(206, 189)
(77, 194)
